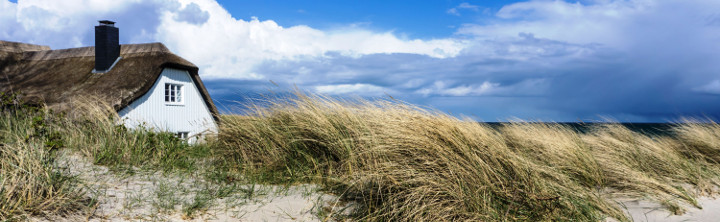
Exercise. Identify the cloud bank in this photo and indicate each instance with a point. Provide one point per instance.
(635, 60)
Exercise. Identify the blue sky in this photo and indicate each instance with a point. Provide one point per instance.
(630, 60)
(415, 19)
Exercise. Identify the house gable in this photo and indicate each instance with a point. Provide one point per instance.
(191, 114)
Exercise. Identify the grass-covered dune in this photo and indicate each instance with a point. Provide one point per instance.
(33, 182)
(399, 162)
(390, 161)
(30, 182)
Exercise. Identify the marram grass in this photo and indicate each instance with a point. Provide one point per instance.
(392, 160)
(30, 181)
(33, 183)
(399, 162)
(93, 129)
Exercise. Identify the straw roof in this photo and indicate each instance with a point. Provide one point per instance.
(56, 77)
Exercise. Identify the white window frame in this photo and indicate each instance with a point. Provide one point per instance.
(183, 135)
(174, 94)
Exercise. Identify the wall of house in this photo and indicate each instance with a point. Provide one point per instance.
(151, 110)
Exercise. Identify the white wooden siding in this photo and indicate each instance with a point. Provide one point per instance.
(151, 110)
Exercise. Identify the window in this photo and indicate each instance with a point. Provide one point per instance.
(173, 93)
(182, 135)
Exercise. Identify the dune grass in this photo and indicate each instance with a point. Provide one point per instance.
(401, 162)
(30, 181)
(392, 160)
(93, 129)
(34, 183)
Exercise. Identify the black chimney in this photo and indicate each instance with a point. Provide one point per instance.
(107, 45)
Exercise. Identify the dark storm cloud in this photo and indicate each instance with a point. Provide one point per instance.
(528, 77)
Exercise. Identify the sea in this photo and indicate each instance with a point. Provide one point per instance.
(655, 129)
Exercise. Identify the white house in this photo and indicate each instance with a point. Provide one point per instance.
(146, 84)
(175, 104)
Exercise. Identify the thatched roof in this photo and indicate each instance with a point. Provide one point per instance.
(55, 77)
(21, 47)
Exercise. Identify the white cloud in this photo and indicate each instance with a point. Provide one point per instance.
(203, 32)
(529, 87)
(462, 6)
(356, 89)
(8, 12)
(192, 14)
(228, 47)
(63, 24)
(615, 23)
(466, 5)
(441, 88)
(558, 20)
(710, 88)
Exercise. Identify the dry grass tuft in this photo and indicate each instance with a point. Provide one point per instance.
(94, 129)
(700, 139)
(30, 181)
(401, 162)
(33, 183)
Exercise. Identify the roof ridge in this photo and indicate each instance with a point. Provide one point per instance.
(89, 51)
(17, 47)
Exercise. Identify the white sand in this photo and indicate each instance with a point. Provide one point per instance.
(154, 196)
(643, 210)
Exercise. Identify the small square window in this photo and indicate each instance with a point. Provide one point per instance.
(173, 93)
(182, 135)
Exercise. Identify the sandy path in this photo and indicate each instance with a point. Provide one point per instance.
(161, 197)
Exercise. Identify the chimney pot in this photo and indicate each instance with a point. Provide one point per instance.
(107, 23)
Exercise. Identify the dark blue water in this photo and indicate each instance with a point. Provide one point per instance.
(658, 129)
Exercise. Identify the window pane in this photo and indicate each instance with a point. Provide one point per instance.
(167, 92)
(182, 135)
(178, 93)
